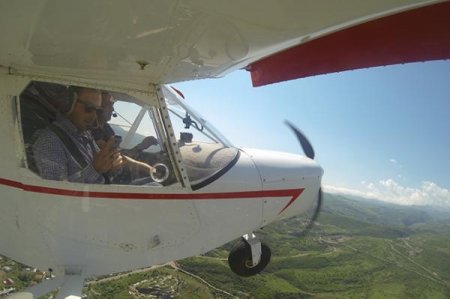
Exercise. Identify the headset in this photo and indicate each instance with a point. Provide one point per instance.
(68, 99)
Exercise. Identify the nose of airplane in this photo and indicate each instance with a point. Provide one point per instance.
(298, 178)
(281, 167)
(294, 175)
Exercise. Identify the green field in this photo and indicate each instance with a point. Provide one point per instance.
(358, 249)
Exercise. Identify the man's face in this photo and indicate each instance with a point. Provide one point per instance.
(108, 107)
(85, 111)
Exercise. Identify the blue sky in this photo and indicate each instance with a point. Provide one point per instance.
(380, 132)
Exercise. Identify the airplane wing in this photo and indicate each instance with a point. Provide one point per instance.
(140, 42)
(416, 35)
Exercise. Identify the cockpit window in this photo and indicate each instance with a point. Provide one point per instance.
(86, 135)
(205, 152)
(140, 139)
(134, 122)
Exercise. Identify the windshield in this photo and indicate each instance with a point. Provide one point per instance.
(206, 153)
(186, 120)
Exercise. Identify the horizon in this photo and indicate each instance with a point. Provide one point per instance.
(381, 132)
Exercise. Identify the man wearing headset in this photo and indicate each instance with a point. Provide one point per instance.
(52, 155)
(102, 132)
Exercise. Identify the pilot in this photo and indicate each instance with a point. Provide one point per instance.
(103, 131)
(66, 150)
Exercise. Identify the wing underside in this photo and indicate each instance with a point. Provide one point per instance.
(420, 34)
(141, 42)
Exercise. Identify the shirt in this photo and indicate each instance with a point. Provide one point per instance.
(55, 162)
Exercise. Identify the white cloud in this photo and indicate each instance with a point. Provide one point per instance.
(348, 191)
(429, 193)
(393, 161)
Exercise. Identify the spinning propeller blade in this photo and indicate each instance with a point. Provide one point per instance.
(309, 152)
(304, 142)
(316, 213)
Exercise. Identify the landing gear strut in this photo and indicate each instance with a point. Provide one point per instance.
(249, 256)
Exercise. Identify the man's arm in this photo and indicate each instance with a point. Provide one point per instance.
(50, 156)
(52, 161)
(144, 144)
(138, 165)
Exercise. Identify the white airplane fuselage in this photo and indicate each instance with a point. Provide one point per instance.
(101, 229)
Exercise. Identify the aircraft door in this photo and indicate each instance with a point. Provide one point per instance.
(133, 220)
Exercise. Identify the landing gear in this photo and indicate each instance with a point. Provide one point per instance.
(249, 256)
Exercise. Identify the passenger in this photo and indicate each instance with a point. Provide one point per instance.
(103, 132)
(66, 150)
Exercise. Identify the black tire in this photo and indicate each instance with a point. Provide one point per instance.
(240, 259)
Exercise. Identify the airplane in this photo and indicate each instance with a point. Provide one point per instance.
(205, 192)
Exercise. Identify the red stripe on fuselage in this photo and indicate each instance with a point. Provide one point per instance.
(294, 193)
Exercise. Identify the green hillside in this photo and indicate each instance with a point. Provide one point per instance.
(358, 249)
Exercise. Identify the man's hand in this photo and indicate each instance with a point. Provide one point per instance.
(146, 143)
(108, 158)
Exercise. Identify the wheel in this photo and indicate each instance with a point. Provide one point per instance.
(240, 259)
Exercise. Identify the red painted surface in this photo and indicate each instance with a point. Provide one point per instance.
(420, 34)
(294, 193)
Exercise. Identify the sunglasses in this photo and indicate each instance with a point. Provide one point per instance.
(89, 108)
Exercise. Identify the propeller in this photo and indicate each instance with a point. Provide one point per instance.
(313, 219)
(309, 152)
(304, 142)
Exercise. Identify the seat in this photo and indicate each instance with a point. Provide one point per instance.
(38, 104)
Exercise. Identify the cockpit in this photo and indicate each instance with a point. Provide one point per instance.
(189, 150)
